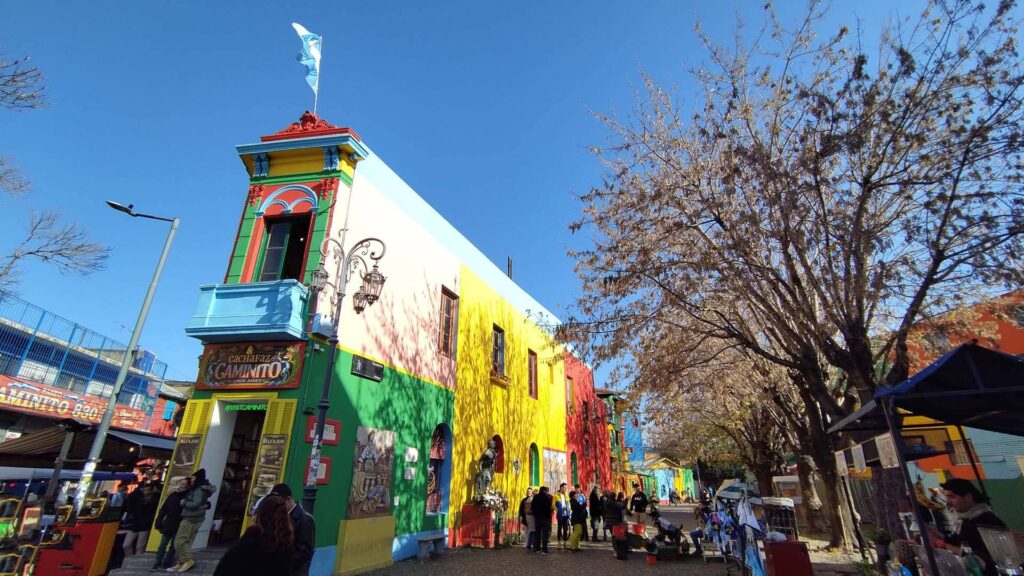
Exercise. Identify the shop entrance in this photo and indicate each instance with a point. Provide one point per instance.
(236, 481)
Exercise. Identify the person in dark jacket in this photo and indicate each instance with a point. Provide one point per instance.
(597, 515)
(303, 531)
(526, 516)
(964, 498)
(638, 503)
(194, 505)
(138, 513)
(578, 520)
(167, 520)
(614, 515)
(543, 506)
(266, 547)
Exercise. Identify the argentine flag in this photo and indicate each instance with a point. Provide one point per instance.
(310, 55)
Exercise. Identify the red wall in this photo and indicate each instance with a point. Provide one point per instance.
(596, 432)
(157, 424)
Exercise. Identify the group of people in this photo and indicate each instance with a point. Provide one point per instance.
(570, 511)
(279, 540)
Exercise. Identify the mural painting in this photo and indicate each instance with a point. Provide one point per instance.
(371, 473)
(555, 469)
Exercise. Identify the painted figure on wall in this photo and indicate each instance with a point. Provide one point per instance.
(371, 475)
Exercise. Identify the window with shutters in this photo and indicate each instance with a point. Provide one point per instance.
(531, 372)
(284, 248)
(449, 313)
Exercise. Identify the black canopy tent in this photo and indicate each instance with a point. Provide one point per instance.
(120, 452)
(968, 386)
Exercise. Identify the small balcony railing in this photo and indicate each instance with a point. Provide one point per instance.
(258, 311)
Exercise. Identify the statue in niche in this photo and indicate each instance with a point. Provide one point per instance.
(485, 473)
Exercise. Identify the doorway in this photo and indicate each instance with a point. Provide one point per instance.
(229, 514)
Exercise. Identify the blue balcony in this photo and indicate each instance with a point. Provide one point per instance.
(250, 312)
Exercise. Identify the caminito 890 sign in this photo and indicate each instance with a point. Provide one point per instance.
(249, 366)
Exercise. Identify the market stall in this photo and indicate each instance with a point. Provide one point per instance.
(968, 386)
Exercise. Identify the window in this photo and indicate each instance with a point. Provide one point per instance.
(169, 409)
(575, 469)
(961, 452)
(449, 312)
(499, 447)
(284, 249)
(586, 419)
(586, 448)
(569, 400)
(436, 471)
(531, 371)
(534, 465)
(498, 353)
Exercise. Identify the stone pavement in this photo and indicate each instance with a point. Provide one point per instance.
(596, 558)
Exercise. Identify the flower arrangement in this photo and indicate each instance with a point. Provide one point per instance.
(491, 499)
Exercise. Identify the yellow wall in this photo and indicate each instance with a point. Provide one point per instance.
(484, 408)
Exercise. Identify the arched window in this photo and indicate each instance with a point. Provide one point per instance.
(575, 471)
(534, 466)
(439, 470)
(499, 447)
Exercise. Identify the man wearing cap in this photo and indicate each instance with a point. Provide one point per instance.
(973, 510)
(304, 530)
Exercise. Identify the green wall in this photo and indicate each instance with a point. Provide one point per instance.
(407, 405)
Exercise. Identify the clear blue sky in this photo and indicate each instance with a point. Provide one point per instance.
(484, 108)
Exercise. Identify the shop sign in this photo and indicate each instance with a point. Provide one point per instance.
(246, 407)
(251, 366)
(53, 402)
(367, 368)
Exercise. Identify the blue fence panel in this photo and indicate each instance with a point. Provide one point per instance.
(43, 347)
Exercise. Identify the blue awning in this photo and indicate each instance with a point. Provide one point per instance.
(969, 386)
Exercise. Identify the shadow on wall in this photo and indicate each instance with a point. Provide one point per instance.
(487, 406)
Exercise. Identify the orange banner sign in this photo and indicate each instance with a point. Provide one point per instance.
(36, 398)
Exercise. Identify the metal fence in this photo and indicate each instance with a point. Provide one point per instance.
(40, 346)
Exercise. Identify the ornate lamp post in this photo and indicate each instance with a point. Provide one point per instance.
(358, 258)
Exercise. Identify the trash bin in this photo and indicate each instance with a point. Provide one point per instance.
(787, 559)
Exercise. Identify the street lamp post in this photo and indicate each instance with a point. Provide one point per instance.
(126, 360)
(359, 256)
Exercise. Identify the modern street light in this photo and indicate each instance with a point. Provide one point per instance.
(126, 360)
(361, 255)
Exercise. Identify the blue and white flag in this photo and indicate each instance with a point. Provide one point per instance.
(310, 55)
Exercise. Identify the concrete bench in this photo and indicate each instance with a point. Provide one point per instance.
(430, 544)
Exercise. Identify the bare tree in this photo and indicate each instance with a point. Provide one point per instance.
(65, 246)
(816, 203)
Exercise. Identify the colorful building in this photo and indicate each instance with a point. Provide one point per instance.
(450, 358)
(586, 428)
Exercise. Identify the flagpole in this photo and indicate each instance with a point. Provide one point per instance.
(316, 93)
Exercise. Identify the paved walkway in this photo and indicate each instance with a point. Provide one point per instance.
(595, 559)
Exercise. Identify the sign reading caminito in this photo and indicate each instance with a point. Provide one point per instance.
(251, 366)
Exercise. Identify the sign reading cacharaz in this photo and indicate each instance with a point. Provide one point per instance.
(251, 366)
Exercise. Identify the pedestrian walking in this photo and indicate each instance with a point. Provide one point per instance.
(542, 507)
(266, 548)
(138, 513)
(582, 497)
(194, 505)
(578, 519)
(303, 532)
(562, 515)
(597, 515)
(167, 520)
(525, 517)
